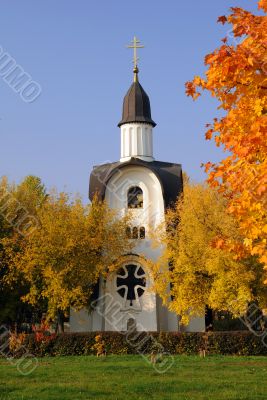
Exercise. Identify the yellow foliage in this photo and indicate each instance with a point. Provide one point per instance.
(16, 341)
(100, 346)
(201, 270)
(71, 248)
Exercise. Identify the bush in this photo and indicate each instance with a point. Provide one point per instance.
(243, 343)
(231, 343)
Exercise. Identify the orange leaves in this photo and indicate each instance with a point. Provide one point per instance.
(261, 189)
(236, 76)
(263, 260)
(190, 89)
(208, 134)
(209, 58)
(199, 82)
(208, 166)
(250, 61)
(219, 173)
(262, 4)
(258, 109)
(219, 243)
(222, 19)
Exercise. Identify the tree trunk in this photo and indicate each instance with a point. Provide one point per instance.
(60, 322)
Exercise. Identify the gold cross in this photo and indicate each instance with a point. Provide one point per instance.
(135, 45)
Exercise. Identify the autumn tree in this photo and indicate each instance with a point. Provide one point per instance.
(201, 271)
(236, 77)
(73, 245)
(18, 216)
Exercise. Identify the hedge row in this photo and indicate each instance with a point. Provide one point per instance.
(231, 343)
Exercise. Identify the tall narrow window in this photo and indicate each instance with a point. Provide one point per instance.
(135, 232)
(135, 197)
(128, 232)
(142, 232)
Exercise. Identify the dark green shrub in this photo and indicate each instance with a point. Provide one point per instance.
(231, 343)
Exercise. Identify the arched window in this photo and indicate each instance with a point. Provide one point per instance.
(135, 197)
(135, 233)
(128, 232)
(142, 232)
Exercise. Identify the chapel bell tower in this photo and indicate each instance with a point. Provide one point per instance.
(146, 188)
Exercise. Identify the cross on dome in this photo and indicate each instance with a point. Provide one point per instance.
(135, 45)
(136, 104)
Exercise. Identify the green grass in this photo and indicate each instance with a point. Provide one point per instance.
(131, 377)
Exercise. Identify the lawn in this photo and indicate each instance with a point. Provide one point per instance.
(131, 377)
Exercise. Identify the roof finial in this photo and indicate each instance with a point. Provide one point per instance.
(135, 45)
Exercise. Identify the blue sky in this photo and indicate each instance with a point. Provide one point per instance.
(76, 51)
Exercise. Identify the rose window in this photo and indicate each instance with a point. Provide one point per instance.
(131, 282)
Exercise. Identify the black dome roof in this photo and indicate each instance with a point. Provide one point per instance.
(136, 106)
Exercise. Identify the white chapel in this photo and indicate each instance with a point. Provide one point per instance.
(139, 184)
